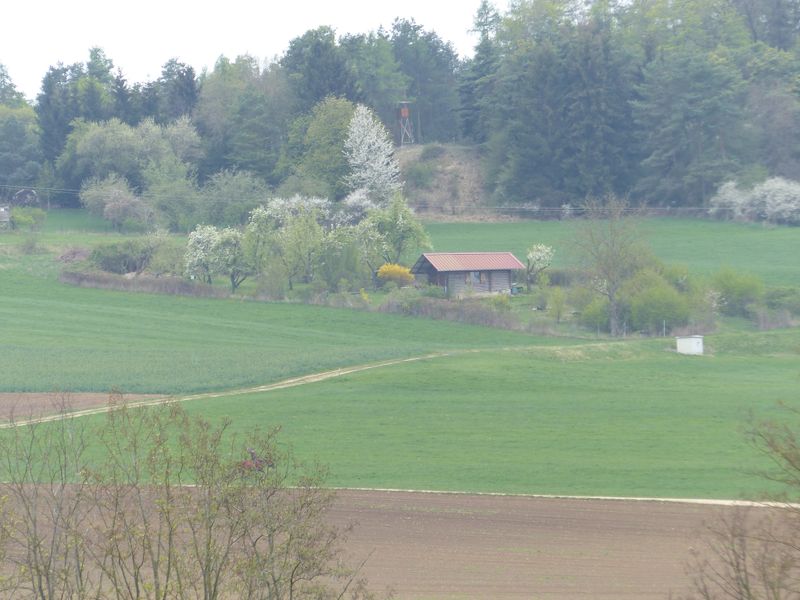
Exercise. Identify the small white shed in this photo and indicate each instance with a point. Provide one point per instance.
(689, 344)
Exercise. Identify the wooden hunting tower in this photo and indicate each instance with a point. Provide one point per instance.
(405, 122)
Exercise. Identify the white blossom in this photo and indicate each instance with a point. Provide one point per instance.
(279, 210)
(538, 258)
(776, 200)
(354, 208)
(370, 154)
(200, 252)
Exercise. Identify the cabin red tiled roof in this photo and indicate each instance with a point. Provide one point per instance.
(468, 261)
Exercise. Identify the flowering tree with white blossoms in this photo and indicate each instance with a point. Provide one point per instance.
(538, 258)
(776, 200)
(199, 257)
(230, 258)
(211, 250)
(370, 154)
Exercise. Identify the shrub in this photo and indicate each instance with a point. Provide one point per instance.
(776, 200)
(432, 152)
(30, 245)
(272, 282)
(738, 291)
(123, 257)
(167, 259)
(655, 307)
(563, 277)
(500, 302)
(595, 315)
(397, 273)
(409, 301)
(153, 285)
(557, 302)
(23, 217)
(766, 318)
(128, 214)
(580, 297)
(433, 291)
(783, 298)
(419, 176)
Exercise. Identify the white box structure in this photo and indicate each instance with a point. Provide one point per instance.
(689, 344)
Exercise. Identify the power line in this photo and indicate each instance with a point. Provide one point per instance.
(474, 209)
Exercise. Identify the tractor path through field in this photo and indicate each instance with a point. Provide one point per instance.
(35, 408)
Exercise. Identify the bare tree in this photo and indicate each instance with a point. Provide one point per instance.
(45, 555)
(176, 508)
(611, 250)
(753, 553)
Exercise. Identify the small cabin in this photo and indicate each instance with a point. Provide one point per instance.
(465, 273)
(689, 344)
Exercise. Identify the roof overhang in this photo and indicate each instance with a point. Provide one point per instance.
(443, 262)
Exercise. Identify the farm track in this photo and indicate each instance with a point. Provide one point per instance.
(447, 545)
(102, 405)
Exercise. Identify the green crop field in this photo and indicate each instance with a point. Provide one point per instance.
(622, 419)
(617, 419)
(703, 246)
(56, 337)
(504, 411)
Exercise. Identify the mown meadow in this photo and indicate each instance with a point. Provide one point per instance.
(501, 412)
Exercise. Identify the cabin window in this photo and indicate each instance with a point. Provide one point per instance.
(473, 277)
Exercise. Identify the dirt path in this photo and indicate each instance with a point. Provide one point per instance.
(448, 546)
(40, 408)
(31, 408)
(25, 406)
(461, 546)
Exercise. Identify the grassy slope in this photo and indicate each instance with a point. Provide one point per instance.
(623, 419)
(618, 419)
(703, 246)
(56, 337)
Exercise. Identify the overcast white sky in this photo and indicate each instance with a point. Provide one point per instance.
(140, 36)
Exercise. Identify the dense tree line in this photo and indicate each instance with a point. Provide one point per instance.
(657, 100)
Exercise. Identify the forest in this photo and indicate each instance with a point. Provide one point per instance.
(667, 103)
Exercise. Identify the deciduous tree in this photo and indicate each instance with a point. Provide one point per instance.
(200, 253)
(751, 553)
(172, 506)
(611, 251)
(399, 232)
(538, 258)
(370, 155)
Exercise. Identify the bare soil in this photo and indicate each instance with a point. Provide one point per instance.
(460, 546)
(456, 189)
(20, 405)
(428, 545)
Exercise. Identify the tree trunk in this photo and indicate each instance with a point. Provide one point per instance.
(613, 316)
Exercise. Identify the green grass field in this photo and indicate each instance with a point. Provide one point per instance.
(56, 337)
(703, 246)
(619, 419)
(525, 414)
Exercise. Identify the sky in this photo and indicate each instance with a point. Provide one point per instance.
(139, 37)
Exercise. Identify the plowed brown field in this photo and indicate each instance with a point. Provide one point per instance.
(426, 545)
(461, 546)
